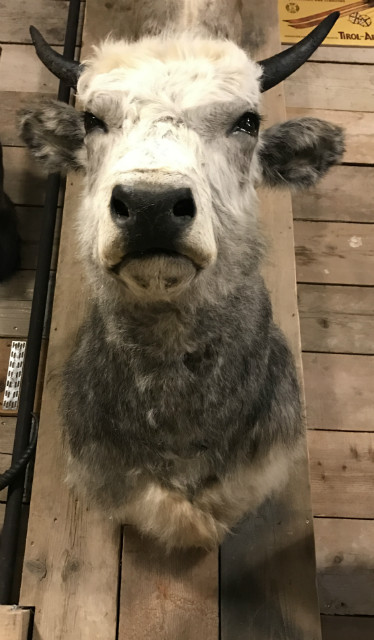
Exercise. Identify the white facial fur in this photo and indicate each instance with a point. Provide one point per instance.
(169, 105)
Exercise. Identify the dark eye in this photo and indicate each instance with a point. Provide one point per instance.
(249, 123)
(92, 122)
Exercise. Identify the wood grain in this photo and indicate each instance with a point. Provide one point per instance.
(14, 623)
(71, 575)
(345, 562)
(339, 391)
(346, 194)
(267, 568)
(334, 86)
(167, 597)
(358, 128)
(7, 429)
(336, 319)
(334, 253)
(47, 15)
(24, 181)
(14, 318)
(347, 628)
(342, 473)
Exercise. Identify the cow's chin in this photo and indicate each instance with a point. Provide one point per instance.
(157, 276)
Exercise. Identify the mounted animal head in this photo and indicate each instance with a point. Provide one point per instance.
(169, 141)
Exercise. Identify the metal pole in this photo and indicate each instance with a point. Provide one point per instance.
(10, 532)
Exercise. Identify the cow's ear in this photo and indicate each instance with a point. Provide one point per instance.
(54, 133)
(297, 153)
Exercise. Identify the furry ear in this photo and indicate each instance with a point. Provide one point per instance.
(54, 132)
(297, 153)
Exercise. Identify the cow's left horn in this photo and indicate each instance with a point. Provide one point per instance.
(66, 70)
(280, 66)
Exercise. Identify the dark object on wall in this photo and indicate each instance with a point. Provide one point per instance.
(9, 238)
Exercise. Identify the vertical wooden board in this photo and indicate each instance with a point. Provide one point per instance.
(345, 561)
(347, 628)
(70, 575)
(167, 596)
(342, 473)
(339, 391)
(14, 623)
(268, 585)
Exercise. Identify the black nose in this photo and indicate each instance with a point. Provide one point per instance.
(153, 217)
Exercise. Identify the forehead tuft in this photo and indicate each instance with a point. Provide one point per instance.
(218, 65)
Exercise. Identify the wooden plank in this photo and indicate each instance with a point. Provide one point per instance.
(336, 319)
(334, 253)
(339, 391)
(342, 473)
(48, 15)
(267, 568)
(75, 567)
(346, 194)
(10, 103)
(21, 70)
(358, 126)
(169, 596)
(358, 55)
(7, 429)
(14, 623)
(345, 87)
(347, 628)
(24, 181)
(19, 287)
(345, 559)
(30, 220)
(14, 318)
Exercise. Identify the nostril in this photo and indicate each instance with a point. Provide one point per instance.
(185, 207)
(118, 208)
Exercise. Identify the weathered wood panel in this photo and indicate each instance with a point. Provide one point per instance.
(342, 473)
(339, 391)
(346, 194)
(336, 319)
(20, 70)
(347, 628)
(267, 568)
(19, 287)
(358, 55)
(47, 15)
(345, 562)
(166, 597)
(345, 87)
(7, 429)
(10, 103)
(24, 181)
(14, 318)
(14, 623)
(334, 253)
(358, 127)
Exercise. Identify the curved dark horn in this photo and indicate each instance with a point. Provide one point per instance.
(66, 70)
(280, 66)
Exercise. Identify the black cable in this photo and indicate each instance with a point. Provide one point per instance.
(11, 474)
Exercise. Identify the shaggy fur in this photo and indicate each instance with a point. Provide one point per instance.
(9, 239)
(180, 401)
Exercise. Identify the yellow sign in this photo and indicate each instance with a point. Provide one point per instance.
(355, 27)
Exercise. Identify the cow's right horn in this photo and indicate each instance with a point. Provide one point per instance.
(66, 70)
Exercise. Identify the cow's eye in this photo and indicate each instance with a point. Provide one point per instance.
(92, 122)
(249, 123)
